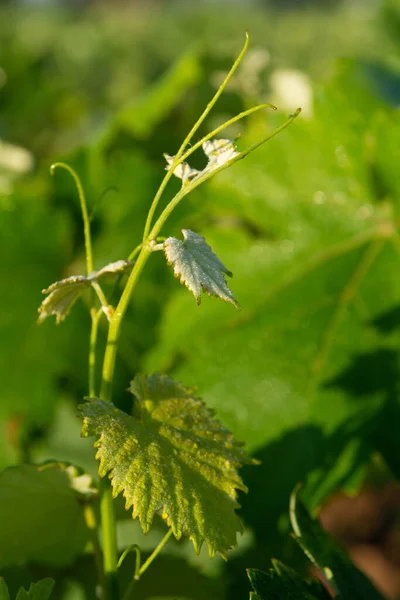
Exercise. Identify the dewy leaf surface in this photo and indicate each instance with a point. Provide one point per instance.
(41, 514)
(175, 458)
(198, 267)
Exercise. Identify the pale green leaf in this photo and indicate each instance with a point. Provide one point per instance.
(52, 530)
(117, 267)
(198, 267)
(175, 458)
(37, 591)
(63, 294)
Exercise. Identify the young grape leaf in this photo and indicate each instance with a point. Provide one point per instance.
(183, 171)
(176, 458)
(53, 530)
(334, 563)
(63, 294)
(198, 267)
(37, 591)
(282, 583)
(218, 152)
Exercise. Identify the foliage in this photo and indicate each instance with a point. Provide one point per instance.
(307, 372)
(332, 563)
(37, 591)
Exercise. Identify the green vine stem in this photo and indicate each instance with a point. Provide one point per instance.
(189, 136)
(85, 214)
(145, 249)
(95, 317)
(139, 571)
(132, 548)
(207, 175)
(91, 524)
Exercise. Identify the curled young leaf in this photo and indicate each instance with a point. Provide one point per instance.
(183, 171)
(198, 267)
(175, 458)
(218, 153)
(63, 294)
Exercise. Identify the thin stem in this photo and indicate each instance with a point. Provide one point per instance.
(216, 131)
(85, 215)
(155, 553)
(91, 524)
(189, 136)
(146, 564)
(135, 251)
(108, 521)
(100, 294)
(109, 535)
(115, 324)
(95, 317)
(132, 548)
(208, 174)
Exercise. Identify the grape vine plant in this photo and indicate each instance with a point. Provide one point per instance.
(170, 455)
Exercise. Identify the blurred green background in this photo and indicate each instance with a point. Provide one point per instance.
(307, 374)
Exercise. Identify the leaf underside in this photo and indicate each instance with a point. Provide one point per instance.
(63, 294)
(175, 458)
(198, 267)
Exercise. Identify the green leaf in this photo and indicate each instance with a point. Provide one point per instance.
(144, 114)
(175, 458)
(63, 294)
(283, 583)
(4, 595)
(52, 530)
(334, 563)
(198, 267)
(37, 591)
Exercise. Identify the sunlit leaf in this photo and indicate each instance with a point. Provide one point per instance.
(183, 171)
(219, 152)
(198, 267)
(175, 458)
(119, 266)
(63, 294)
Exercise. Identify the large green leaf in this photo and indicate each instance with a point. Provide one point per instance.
(307, 374)
(173, 457)
(35, 246)
(41, 514)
